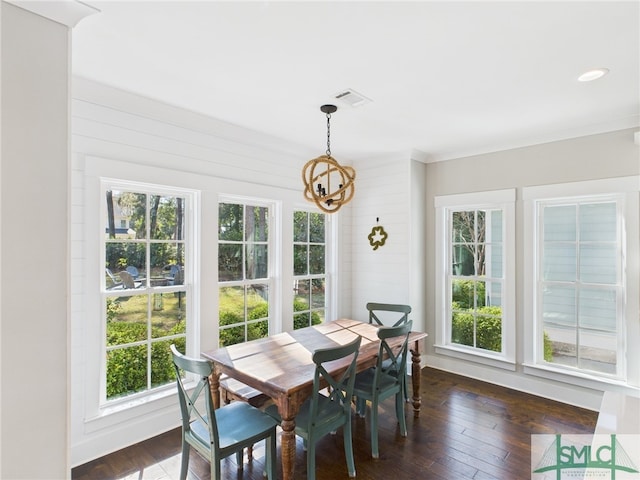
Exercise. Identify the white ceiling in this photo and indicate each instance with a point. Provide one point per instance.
(446, 79)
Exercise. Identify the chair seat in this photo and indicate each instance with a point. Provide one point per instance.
(329, 414)
(237, 422)
(366, 380)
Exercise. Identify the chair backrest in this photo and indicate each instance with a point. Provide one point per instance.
(191, 406)
(178, 278)
(111, 276)
(341, 385)
(373, 307)
(114, 281)
(395, 360)
(171, 270)
(133, 271)
(127, 279)
(174, 274)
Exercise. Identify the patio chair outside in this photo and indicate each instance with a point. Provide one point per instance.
(127, 280)
(115, 282)
(133, 271)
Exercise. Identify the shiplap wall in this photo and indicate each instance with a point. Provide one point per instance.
(390, 194)
(222, 158)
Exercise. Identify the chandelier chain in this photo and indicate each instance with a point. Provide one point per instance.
(328, 135)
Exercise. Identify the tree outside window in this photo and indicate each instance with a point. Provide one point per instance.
(145, 296)
(309, 268)
(243, 272)
(476, 278)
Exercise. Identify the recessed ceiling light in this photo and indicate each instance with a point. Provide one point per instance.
(593, 74)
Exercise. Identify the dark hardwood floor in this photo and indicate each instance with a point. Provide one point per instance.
(467, 429)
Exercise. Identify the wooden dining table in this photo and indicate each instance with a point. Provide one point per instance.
(281, 367)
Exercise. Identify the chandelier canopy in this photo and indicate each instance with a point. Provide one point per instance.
(327, 183)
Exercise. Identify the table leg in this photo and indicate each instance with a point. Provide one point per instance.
(214, 385)
(288, 409)
(288, 449)
(415, 379)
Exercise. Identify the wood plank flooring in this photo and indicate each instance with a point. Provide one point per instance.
(467, 429)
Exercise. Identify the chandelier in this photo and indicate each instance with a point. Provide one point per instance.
(327, 183)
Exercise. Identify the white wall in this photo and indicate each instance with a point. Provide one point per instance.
(593, 157)
(34, 245)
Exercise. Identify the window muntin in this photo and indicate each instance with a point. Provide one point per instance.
(580, 283)
(309, 268)
(243, 271)
(144, 294)
(476, 277)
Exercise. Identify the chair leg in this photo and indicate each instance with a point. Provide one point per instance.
(348, 449)
(374, 429)
(311, 459)
(215, 468)
(406, 388)
(400, 413)
(184, 465)
(271, 457)
(240, 459)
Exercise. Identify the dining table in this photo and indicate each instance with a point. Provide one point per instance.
(281, 367)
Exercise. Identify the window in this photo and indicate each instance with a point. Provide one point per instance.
(475, 277)
(583, 313)
(145, 290)
(580, 282)
(581, 304)
(309, 268)
(243, 271)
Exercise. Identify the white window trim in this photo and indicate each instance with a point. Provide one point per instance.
(629, 187)
(505, 200)
(190, 207)
(274, 254)
(328, 264)
(99, 415)
(332, 242)
(332, 265)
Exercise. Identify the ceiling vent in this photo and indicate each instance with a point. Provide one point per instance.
(352, 98)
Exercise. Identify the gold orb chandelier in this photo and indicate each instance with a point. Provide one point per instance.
(323, 173)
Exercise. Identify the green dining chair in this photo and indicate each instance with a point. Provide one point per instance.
(321, 414)
(378, 312)
(377, 384)
(218, 433)
(376, 309)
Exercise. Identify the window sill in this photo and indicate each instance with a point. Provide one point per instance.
(476, 357)
(131, 409)
(580, 379)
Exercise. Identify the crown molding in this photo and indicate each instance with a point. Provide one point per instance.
(66, 12)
